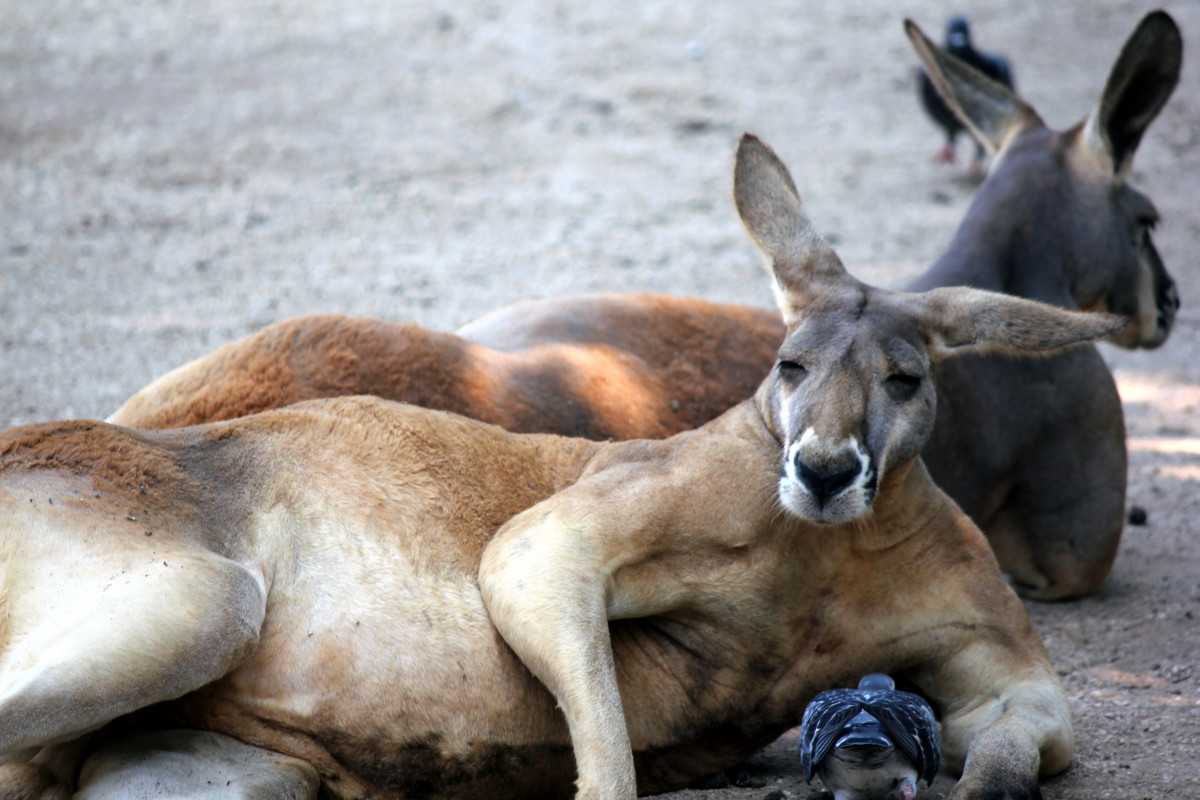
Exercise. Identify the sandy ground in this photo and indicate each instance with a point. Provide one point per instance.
(175, 175)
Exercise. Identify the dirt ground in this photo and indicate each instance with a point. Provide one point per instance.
(175, 175)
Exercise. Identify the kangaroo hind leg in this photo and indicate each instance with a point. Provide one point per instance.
(97, 619)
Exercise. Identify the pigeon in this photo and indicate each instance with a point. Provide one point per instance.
(996, 67)
(870, 743)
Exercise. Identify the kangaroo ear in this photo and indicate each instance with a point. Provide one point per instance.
(991, 111)
(770, 208)
(1139, 85)
(961, 320)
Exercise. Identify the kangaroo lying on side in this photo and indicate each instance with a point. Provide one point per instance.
(617, 366)
(395, 602)
(1033, 451)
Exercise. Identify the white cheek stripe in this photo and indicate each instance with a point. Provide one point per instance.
(864, 465)
(789, 467)
(789, 463)
(810, 433)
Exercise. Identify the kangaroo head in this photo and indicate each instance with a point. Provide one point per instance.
(851, 396)
(1059, 202)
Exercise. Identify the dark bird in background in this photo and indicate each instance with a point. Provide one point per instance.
(870, 743)
(996, 67)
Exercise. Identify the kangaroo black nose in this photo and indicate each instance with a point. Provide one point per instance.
(825, 484)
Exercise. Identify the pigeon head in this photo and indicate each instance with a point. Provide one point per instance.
(958, 33)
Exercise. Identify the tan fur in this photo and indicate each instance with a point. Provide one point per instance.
(421, 605)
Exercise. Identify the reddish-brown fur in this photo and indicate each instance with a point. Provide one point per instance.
(602, 367)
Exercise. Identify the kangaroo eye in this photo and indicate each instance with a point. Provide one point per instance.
(791, 370)
(902, 386)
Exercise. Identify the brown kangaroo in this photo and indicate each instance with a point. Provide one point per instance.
(630, 366)
(1034, 451)
(375, 599)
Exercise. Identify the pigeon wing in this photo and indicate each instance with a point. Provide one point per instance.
(909, 720)
(823, 721)
(934, 106)
(993, 65)
(1000, 70)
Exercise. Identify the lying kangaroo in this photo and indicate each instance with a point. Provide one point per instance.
(1033, 451)
(631, 366)
(397, 602)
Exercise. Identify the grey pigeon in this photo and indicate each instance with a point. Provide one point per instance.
(870, 743)
(996, 67)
